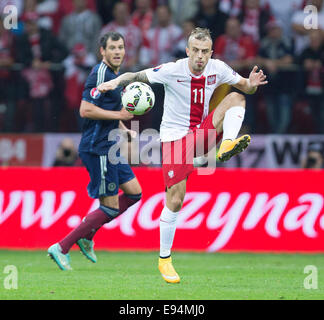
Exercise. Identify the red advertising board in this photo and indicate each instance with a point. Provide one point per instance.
(21, 150)
(229, 210)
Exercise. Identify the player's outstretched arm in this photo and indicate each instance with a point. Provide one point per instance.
(123, 80)
(90, 111)
(250, 85)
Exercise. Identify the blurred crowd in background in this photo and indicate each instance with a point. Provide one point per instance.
(45, 60)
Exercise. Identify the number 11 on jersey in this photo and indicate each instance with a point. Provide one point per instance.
(201, 93)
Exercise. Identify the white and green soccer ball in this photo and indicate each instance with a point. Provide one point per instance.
(138, 98)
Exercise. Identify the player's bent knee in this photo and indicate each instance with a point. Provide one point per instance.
(131, 187)
(139, 190)
(176, 204)
(134, 197)
(237, 99)
(109, 201)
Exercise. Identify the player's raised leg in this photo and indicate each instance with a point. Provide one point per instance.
(168, 222)
(228, 118)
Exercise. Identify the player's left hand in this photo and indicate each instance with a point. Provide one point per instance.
(106, 86)
(257, 78)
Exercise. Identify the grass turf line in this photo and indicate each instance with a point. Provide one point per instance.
(134, 275)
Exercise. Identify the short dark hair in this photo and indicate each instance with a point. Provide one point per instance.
(114, 36)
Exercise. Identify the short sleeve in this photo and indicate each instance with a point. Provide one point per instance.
(90, 92)
(160, 74)
(226, 73)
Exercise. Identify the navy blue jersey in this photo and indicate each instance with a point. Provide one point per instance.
(95, 132)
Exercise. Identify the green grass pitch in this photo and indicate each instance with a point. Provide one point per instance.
(134, 275)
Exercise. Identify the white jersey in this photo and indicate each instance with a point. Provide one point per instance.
(186, 101)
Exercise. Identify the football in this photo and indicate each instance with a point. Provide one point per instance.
(138, 98)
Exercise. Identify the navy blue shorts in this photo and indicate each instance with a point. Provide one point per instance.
(105, 177)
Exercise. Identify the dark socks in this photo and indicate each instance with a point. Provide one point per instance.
(95, 220)
(88, 227)
(127, 200)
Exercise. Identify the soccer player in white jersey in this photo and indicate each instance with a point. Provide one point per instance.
(189, 84)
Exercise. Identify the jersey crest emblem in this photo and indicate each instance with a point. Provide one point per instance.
(211, 79)
(111, 186)
(94, 93)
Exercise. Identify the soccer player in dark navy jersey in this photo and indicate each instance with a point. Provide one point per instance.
(102, 114)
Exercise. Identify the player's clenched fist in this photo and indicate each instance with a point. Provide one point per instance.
(106, 86)
(125, 115)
